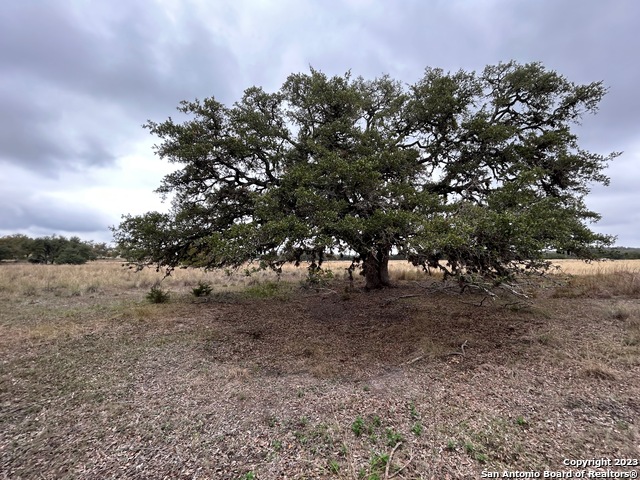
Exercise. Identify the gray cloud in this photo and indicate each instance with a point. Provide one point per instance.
(77, 80)
(48, 213)
(73, 91)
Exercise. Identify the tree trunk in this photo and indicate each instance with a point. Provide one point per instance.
(376, 268)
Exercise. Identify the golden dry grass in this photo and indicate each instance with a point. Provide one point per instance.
(578, 267)
(604, 279)
(108, 276)
(24, 279)
(100, 277)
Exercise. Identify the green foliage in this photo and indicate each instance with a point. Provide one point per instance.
(413, 411)
(358, 427)
(318, 277)
(266, 290)
(481, 170)
(481, 457)
(474, 453)
(70, 256)
(379, 461)
(46, 249)
(49, 250)
(75, 252)
(15, 247)
(393, 437)
(5, 252)
(157, 295)
(334, 466)
(202, 290)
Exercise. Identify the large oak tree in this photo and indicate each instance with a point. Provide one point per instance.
(475, 174)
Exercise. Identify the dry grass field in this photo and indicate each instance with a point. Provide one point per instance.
(268, 379)
(577, 267)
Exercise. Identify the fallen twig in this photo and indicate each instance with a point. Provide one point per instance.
(393, 450)
(512, 289)
(477, 304)
(461, 348)
(402, 467)
(414, 360)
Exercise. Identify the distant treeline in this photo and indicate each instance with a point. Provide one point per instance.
(614, 253)
(59, 249)
(53, 249)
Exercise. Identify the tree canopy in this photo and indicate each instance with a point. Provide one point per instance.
(476, 174)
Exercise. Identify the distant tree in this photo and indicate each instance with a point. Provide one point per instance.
(5, 251)
(481, 170)
(45, 249)
(59, 249)
(101, 250)
(76, 252)
(52, 249)
(15, 247)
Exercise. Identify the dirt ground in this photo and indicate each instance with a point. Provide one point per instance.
(284, 382)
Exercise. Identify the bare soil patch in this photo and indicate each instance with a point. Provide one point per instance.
(314, 384)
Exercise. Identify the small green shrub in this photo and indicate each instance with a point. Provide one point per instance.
(319, 277)
(414, 412)
(157, 295)
(393, 437)
(202, 290)
(266, 290)
(358, 426)
(379, 461)
(481, 457)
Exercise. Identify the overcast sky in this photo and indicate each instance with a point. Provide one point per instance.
(78, 78)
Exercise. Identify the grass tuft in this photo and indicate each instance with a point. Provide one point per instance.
(203, 289)
(157, 295)
(268, 290)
